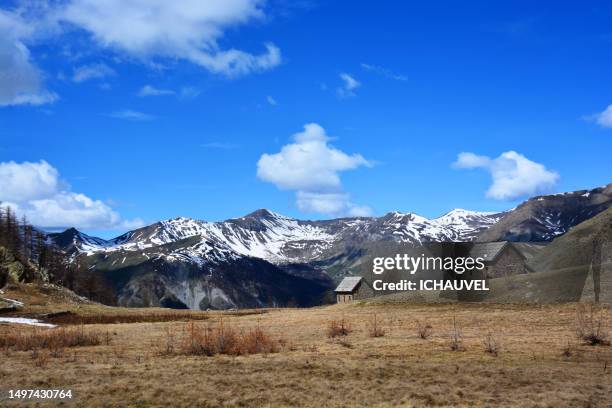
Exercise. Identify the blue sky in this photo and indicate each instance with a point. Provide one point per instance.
(152, 123)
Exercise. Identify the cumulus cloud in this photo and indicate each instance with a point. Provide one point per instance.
(21, 82)
(348, 87)
(188, 30)
(128, 114)
(139, 29)
(311, 167)
(513, 174)
(37, 191)
(603, 119)
(92, 71)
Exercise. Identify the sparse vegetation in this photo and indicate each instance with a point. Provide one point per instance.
(456, 337)
(590, 325)
(339, 328)
(52, 339)
(491, 345)
(207, 340)
(311, 369)
(424, 330)
(375, 329)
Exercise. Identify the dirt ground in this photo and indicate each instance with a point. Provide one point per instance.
(539, 362)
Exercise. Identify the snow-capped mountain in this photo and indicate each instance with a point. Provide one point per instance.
(260, 259)
(265, 258)
(544, 218)
(280, 239)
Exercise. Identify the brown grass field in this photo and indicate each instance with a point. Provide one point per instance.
(537, 359)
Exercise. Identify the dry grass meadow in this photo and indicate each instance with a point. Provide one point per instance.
(493, 355)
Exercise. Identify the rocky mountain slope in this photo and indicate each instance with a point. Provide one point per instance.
(260, 259)
(265, 258)
(576, 266)
(279, 239)
(543, 218)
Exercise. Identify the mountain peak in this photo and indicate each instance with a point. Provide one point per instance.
(264, 213)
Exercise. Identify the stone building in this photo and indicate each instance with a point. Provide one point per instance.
(504, 258)
(353, 288)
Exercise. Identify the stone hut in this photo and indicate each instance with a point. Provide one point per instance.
(504, 258)
(353, 288)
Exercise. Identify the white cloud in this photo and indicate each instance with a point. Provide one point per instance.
(271, 100)
(330, 203)
(149, 90)
(188, 30)
(513, 174)
(311, 167)
(144, 30)
(350, 84)
(92, 71)
(185, 92)
(37, 191)
(21, 82)
(603, 119)
(128, 114)
(387, 73)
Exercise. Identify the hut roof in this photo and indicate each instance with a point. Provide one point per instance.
(348, 284)
(489, 251)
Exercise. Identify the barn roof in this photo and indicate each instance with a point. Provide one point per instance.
(489, 251)
(348, 284)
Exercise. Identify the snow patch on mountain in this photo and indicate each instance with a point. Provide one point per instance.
(280, 239)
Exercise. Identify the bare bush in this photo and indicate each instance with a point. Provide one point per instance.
(51, 339)
(375, 329)
(220, 339)
(590, 325)
(567, 351)
(424, 330)
(456, 338)
(339, 328)
(491, 344)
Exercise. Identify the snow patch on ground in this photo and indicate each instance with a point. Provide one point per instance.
(23, 320)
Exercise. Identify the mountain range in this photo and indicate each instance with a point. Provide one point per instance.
(265, 258)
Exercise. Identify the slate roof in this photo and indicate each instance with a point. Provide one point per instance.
(348, 284)
(489, 251)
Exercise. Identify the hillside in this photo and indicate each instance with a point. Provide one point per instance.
(543, 218)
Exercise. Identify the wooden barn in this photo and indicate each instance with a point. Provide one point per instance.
(353, 288)
(504, 258)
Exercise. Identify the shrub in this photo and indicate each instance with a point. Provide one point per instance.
(339, 328)
(221, 339)
(456, 338)
(424, 331)
(375, 328)
(52, 339)
(491, 345)
(590, 326)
